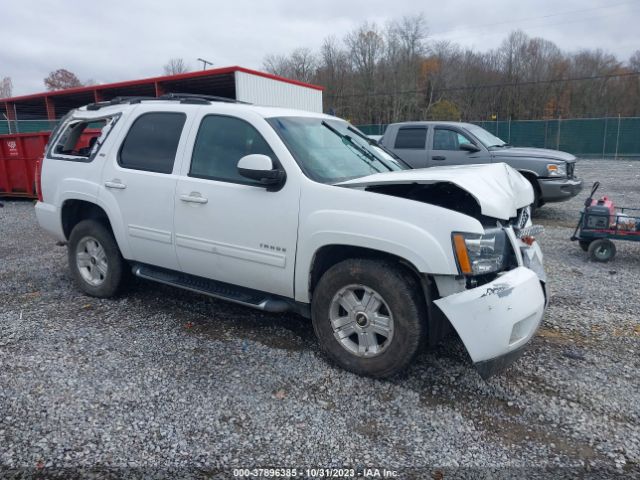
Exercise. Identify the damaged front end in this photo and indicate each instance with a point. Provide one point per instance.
(495, 320)
(497, 312)
(496, 299)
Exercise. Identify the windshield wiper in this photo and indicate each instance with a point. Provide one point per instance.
(377, 144)
(370, 157)
(370, 141)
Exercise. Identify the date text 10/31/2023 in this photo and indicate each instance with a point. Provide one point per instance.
(314, 473)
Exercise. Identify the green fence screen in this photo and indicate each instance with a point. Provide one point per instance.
(583, 137)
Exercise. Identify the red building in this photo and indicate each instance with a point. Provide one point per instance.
(232, 82)
(25, 121)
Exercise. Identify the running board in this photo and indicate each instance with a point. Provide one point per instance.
(213, 288)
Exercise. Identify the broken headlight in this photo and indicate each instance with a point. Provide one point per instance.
(481, 254)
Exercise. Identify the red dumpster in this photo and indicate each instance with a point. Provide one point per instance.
(18, 156)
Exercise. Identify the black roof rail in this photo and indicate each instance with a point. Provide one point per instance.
(117, 101)
(193, 98)
(197, 96)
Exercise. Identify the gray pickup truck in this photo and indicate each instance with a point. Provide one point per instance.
(432, 144)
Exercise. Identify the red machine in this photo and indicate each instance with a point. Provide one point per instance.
(600, 213)
(601, 221)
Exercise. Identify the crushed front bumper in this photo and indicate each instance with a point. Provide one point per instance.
(488, 368)
(496, 320)
(559, 189)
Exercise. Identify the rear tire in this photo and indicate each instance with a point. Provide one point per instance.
(602, 250)
(369, 316)
(96, 264)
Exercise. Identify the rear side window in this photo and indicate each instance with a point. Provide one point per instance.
(80, 140)
(411, 138)
(221, 142)
(152, 142)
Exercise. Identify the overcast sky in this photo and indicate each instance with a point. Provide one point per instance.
(121, 40)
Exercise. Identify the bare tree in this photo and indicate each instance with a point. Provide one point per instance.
(61, 79)
(175, 66)
(405, 48)
(301, 64)
(277, 65)
(366, 48)
(634, 61)
(379, 75)
(333, 71)
(6, 87)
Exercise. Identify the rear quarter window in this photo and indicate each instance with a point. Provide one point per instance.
(79, 140)
(411, 138)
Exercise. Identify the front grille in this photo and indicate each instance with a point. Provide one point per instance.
(570, 169)
(524, 214)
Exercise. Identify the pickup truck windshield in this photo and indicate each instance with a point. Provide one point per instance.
(487, 139)
(329, 152)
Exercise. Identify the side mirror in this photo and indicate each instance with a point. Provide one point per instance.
(260, 168)
(469, 147)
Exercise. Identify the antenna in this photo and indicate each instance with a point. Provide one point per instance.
(205, 63)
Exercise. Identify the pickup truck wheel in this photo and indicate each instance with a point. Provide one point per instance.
(368, 316)
(95, 260)
(537, 200)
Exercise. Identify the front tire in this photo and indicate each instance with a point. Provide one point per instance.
(369, 316)
(537, 197)
(96, 264)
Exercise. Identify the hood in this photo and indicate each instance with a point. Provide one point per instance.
(518, 152)
(499, 189)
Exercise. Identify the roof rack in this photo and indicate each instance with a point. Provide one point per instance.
(190, 98)
(117, 101)
(198, 98)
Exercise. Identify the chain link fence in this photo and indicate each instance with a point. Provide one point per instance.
(26, 126)
(584, 137)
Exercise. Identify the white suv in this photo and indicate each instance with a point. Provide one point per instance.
(285, 210)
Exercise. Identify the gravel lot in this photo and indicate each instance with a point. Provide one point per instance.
(172, 383)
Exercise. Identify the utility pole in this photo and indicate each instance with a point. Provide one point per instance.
(205, 63)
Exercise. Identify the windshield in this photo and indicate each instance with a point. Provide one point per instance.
(487, 139)
(331, 151)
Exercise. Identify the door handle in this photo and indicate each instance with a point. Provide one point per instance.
(438, 157)
(193, 197)
(115, 183)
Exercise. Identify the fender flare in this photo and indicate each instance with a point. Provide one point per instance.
(116, 227)
(305, 260)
